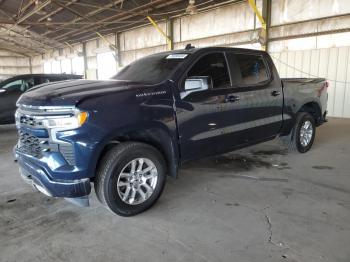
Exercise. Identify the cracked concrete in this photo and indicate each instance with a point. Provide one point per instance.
(253, 205)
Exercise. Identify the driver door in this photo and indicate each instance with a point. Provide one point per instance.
(203, 116)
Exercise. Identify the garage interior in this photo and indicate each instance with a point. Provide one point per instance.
(261, 203)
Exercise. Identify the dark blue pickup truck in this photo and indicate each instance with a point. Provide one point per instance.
(127, 134)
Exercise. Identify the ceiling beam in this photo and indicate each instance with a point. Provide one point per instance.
(68, 23)
(33, 12)
(89, 14)
(122, 16)
(30, 13)
(5, 13)
(32, 36)
(57, 10)
(27, 26)
(20, 9)
(30, 2)
(202, 7)
(73, 11)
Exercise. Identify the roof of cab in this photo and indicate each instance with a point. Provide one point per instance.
(193, 50)
(25, 75)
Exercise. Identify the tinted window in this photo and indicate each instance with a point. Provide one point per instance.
(253, 69)
(151, 69)
(213, 65)
(14, 85)
(20, 85)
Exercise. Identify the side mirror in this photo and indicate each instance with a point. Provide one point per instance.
(2, 90)
(196, 84)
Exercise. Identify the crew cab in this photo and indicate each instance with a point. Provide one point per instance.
(125, 135)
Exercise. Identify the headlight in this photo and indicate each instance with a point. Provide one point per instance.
(66, 121)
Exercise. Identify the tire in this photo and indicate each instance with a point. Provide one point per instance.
(293, 140)
(114, 177)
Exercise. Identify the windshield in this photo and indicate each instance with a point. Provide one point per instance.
(151, 69)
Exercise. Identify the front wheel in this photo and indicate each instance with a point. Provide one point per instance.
(303, 134)
(130, 178)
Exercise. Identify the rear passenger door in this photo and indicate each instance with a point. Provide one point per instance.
(259, 109)
(243, 105)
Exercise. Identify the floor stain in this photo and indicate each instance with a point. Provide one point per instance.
(266, 153)
(323, 167)
(234, 162)
(254, 178)
(287, 192)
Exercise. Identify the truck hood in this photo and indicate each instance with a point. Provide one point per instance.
(72, 92)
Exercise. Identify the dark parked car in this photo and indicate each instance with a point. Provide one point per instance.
(12, 88)
(125, 135)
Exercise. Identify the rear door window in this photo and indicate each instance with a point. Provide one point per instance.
(253, 69)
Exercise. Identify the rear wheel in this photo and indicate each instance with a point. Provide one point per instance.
(303, 134)
(130, 178)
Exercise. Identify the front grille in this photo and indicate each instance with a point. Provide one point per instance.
(31, 145)
(29, 121)
(31, 118)
(34, 146)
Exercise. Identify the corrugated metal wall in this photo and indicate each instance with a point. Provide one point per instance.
(331, 63)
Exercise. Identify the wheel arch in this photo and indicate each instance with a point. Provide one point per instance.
(313, 108)
(157, 136)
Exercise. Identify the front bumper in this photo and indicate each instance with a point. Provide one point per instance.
(41, 176)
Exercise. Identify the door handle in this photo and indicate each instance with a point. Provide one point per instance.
(275, 93)
(231, 98)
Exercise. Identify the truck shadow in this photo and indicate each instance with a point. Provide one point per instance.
(241, 161)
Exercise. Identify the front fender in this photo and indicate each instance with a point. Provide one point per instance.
(155, 134)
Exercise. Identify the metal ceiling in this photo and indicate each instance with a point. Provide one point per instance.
(30, 27)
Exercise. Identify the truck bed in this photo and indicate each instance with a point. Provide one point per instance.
(303, 80)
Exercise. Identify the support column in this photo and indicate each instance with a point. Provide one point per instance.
(85, 60)
(266, 14)
(30, 65)
(156, 26)
(262, 16)
(170, 33)
(119, 55)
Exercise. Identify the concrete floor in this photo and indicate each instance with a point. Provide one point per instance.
(257, 204)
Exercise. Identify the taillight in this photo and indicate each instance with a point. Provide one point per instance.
(326, 84)
(324, 87)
